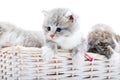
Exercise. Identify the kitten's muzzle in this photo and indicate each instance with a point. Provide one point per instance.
(52, 35)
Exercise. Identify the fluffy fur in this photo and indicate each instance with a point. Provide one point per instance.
(100, 39)
(61, 28)
(12, 36)
(116, 40)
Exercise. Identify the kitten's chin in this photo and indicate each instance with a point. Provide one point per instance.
(66, 35)
(52, 39)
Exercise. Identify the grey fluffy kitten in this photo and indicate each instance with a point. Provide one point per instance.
(61, 28)
(12, 36)
(101, 39)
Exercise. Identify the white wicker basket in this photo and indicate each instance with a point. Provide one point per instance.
(21, 63)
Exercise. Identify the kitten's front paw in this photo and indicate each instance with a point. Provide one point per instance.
(47, 53)
(78, 60)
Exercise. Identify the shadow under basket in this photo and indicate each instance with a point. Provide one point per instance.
(25, 63)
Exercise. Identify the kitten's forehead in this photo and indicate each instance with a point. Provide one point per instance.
(58, 12)
(56, 16)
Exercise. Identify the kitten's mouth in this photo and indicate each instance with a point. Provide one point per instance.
(52, 38)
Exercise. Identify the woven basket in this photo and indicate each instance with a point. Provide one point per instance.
(21, 63)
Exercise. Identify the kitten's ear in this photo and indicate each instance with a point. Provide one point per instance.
(70, 16)
(45, 12)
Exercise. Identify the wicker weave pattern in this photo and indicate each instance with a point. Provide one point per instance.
(20, 63)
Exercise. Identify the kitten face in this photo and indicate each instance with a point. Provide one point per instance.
(58, 23)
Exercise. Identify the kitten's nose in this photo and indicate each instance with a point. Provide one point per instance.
(52, 35)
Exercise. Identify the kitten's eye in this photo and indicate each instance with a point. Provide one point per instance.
(48, 28)
(58, 29)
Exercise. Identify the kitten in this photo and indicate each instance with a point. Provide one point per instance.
(12, 36)
(61, 28)
(100, 39)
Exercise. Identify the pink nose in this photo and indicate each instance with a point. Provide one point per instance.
(52, 35)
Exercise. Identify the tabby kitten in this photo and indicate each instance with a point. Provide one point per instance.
(101, 40)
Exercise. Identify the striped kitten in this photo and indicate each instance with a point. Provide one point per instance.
(100, 39)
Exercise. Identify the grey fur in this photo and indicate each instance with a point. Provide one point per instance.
(59, 17)
(12, 36)
(100, 39)
(69, 38)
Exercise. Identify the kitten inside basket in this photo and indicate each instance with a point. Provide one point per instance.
(14, 36)
(61, 28)
(103, 40)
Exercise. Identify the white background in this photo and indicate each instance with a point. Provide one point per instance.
(27, 13)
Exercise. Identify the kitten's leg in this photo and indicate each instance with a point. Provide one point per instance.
(49, 51)
(79, 54)
(78, 58)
